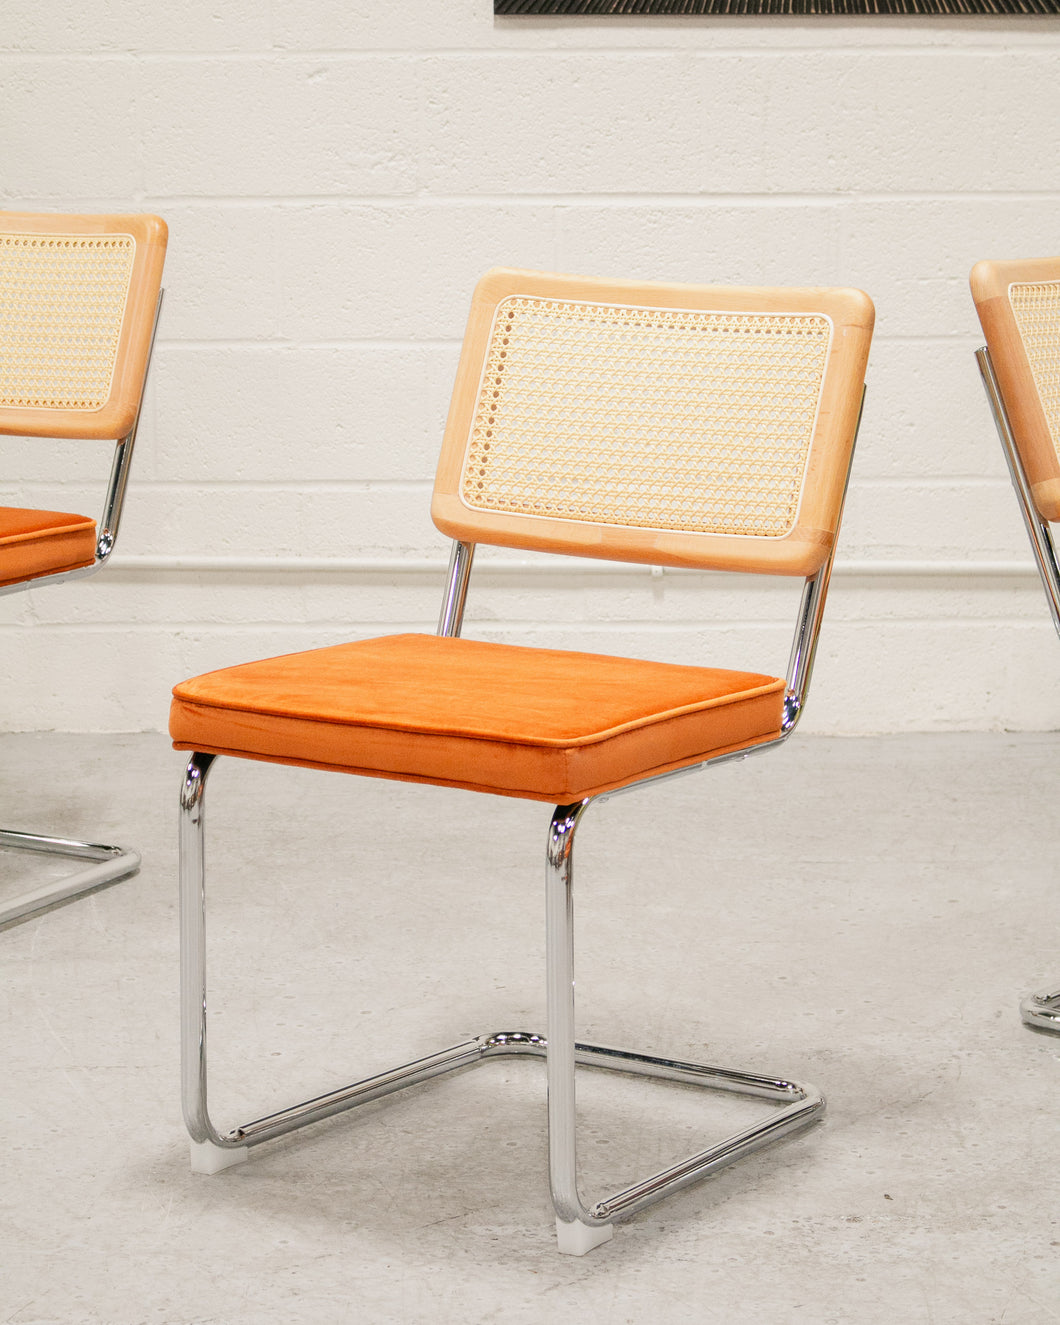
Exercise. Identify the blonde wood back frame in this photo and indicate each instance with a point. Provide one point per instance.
(670, 424)
(1019, 308)
(78, 295)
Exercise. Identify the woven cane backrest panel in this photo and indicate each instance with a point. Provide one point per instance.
(62, 304)
(668, 419)
(1036, 308)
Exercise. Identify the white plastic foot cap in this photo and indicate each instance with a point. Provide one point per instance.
(208, 1158)
(576, 1238)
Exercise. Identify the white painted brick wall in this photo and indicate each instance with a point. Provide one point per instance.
(337, 173)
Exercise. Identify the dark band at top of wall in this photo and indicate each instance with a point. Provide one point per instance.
(678, 8)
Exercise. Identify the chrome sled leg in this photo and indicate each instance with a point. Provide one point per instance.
(113, 863)
(579, 1227)
(1042, 1010)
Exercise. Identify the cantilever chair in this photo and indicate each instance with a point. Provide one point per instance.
(1019, 308)
(678, 425)
(79, 299)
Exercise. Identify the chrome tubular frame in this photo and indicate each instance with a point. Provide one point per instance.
(1038, 530)
(451, 620)
(114, 863)
(579, 1227)
(1042, 1009)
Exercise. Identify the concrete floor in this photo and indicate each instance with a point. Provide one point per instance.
(864, 914)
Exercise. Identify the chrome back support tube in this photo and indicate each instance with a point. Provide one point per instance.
(1038, 530)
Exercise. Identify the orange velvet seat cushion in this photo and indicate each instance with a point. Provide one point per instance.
(34, 543)
(536, 723)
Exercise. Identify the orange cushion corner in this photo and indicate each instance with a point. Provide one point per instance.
(35, 543)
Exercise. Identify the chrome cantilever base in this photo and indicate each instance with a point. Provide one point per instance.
(211, 1151)
(1042, 1010)
(579, 1227)
(114, 863)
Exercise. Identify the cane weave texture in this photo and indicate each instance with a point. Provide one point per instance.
(1036, 308)
(62, 304)
(672, 419)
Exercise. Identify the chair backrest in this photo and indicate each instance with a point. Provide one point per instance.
(678, 425)
(78, 296)
(1019, 308)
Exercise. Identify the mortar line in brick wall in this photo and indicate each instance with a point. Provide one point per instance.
(498, 628)
(442, 343)
(417, 201)
(910, 485)
(366, 486)
(851, 568)
(998, 46)
(295, 486)
(285, 345)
